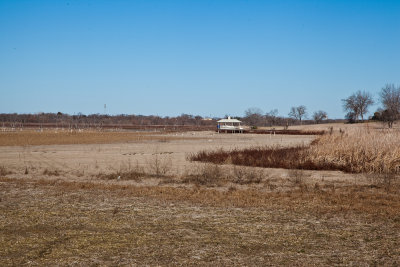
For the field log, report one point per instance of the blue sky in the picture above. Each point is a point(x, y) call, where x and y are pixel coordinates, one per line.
point(197, 57)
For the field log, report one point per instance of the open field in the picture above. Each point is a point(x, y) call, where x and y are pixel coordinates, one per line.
point(66, 137)
point(135, 198)
point(51, 222)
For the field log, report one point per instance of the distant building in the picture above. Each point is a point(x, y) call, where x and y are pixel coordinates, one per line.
point(230, 126)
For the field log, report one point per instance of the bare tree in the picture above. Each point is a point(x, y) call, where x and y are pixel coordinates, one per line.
point(253, 116)
point(298, 113)
point(390, 99)
point(357, 104)
point(271, 117)
point(319, 115)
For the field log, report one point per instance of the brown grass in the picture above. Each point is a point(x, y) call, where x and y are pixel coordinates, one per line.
point(287, 132)
point(209, 175)
point(122, 175)
point(356, 152)
point(243, 175)
point(48, 222)
point(52, 137)
point(48, 172)
point(360, 151)
point(266, 157)
point(4, 171)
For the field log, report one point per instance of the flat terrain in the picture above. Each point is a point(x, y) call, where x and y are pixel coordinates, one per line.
point(134, 198)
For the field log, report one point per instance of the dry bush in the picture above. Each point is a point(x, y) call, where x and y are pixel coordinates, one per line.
point(135, 173)
point(160, 166)
point(266, 157)
point(4, 171)
point(51, 172)
point(208, 175)
point(383, 180)
point(297, 178)
point(243, 175)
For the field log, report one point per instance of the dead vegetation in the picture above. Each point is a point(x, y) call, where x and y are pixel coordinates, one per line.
point(355, 152)
point(4, 171)
point(360, 151)
point(160, 166)
point(286, 132)
point(207, 174)
point(65, 137)
point(49, 172)
point(47, 222)
point(243, 175)
point(122, 175)
point(266, 157)
point(208, 215)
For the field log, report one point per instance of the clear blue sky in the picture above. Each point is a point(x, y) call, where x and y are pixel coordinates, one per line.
point(196, 57)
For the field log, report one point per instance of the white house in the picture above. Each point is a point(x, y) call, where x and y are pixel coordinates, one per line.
point(230, 125)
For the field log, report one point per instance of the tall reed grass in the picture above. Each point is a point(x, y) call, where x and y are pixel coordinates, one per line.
point(359, 151)
point(356, 151)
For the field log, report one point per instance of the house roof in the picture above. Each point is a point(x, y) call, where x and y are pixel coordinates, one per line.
point(229, 120)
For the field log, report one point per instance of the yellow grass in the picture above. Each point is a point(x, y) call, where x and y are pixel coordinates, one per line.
point(362, 150)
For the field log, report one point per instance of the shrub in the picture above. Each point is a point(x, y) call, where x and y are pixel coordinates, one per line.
point(160, 166)
point(4, 171)
point(244, 175)
point(207, 175)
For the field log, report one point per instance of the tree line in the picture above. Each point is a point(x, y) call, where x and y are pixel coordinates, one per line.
point(100, 120)
point(297, 115)
point(357, 105)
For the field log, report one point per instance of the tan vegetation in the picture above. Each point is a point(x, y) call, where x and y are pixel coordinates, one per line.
point(354, 151)
point(50, 222)
point(143, 203)
point(64, 137)
point(361, 151)
point(4, 171)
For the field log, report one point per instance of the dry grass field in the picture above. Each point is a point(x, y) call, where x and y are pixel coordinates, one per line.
point(120, 198)
point(66, 137)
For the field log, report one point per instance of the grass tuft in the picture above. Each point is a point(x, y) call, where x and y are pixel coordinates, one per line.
point(209, 175)
point(51, 172)
point(4, 171)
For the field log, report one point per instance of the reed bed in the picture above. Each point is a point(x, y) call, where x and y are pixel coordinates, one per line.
point(357, 151)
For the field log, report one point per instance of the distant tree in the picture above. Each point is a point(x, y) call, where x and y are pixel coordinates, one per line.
point(253, 116)
point(271, 117)
point(298, 113)
point(390, 99)
point(351, 117)
point(357, 104)
point(319, 115)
